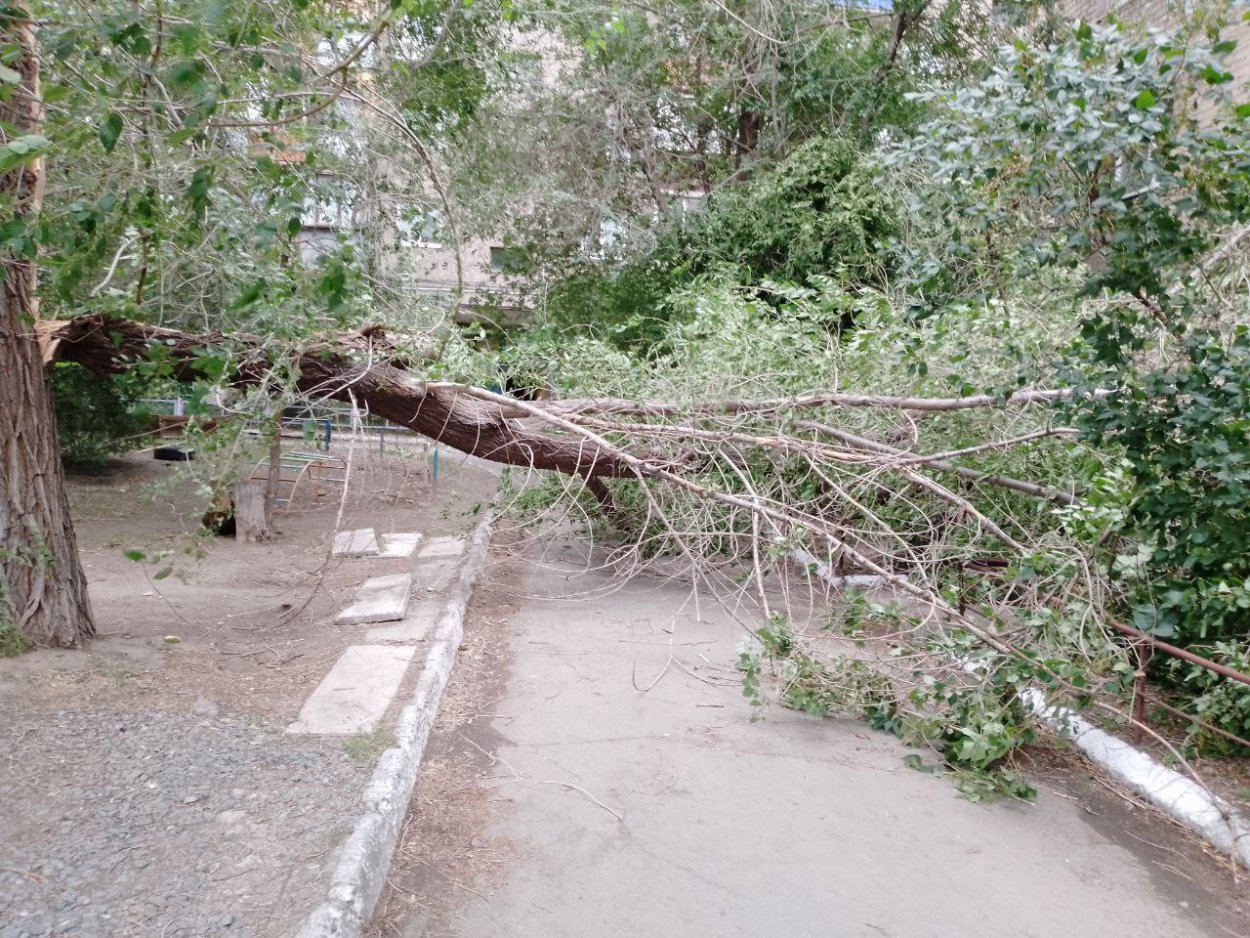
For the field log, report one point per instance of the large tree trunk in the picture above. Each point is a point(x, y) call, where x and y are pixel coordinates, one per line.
point(43, 592)
point(362, 366)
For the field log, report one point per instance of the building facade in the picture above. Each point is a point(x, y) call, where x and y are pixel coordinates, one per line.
point(1169, 14)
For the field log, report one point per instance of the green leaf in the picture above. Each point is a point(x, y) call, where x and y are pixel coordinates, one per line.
point(162, 573)
point(1213, 76)
point(135, 555)
point(23, 150)
point(1243, 111)
point(251, 294)
point(1145, 100)
point(211, 365)
point(197, 191)
point(188, 38)
point(9, 76)
point(110, 130)
point(333, 285)
point(916, 764)
point(185, 74)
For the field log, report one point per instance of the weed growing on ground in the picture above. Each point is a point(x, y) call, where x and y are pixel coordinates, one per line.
point(365, 747)
point(13, 642)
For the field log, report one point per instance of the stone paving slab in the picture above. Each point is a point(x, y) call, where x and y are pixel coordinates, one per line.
point(399, 545)
point(354, 696)
point(415, 627)
point(443, 547)
point(435, 577)
point(379, 599)
point(361, 543)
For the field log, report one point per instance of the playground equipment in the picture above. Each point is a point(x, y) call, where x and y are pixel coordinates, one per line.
point(294, 467)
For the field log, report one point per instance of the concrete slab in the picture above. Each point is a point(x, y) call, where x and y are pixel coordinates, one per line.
point(399, 545)
point(361, 543)
point(379, 599)
point(434, 577)
point(415, 626)
point(443, 547)
point(354, 696)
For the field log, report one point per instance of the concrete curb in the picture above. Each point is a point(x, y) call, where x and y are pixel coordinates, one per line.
point(365, 858)
point(1210, 817)
point(1181, 798)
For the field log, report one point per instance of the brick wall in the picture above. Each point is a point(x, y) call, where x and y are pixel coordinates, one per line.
point(1153, 12)
point(1164, 14)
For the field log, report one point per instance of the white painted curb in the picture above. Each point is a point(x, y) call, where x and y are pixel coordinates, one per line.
point(821, 569)
point(1183, 799)
point(365, 858)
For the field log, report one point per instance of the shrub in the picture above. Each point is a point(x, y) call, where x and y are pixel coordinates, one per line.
point(818, 213)
point(95, 417)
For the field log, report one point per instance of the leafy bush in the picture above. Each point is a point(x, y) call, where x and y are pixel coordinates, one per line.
point(1088, 157)
point(1223, 703)
point(95, 417)
point(817, 214)
point(1183, 434)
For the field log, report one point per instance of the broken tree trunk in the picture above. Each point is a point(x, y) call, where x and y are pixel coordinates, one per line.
point(365, 367)
point(369, 368)
point(251, 523)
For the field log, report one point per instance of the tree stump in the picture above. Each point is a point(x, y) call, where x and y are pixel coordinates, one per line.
point(251, 525)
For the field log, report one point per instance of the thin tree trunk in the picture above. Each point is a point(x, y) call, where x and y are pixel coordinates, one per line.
point(748, 138)
point(274, 478)
point(43, 591)
point(250, 510)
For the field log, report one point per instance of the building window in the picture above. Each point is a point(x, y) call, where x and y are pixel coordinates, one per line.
point(505, 260)
point(330, 203)
point(421, 226)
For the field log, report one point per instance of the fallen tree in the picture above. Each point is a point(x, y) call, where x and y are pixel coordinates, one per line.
point(602, 440)
point(369, 367)
point(698, 480)
point(377, 370)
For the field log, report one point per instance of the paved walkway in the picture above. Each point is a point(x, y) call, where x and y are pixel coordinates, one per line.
point(669, 813)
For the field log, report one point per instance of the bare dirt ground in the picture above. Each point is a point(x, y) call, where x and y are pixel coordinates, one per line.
point(445, 844)
point(148, 786)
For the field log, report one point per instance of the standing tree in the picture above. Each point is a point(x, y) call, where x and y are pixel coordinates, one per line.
point(43, 591)
point(186, 142)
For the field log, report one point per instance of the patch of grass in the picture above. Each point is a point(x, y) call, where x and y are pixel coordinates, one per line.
point(13, 642)
point(120, 675)
point(365, 747)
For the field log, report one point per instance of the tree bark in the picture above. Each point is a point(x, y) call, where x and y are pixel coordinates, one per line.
point(360, 366)
point(251, 509)
point(43, 591)
point(748, 137)
point(272, 479)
